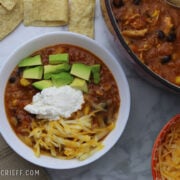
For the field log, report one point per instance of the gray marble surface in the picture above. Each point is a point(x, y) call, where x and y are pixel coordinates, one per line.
point(151, 108)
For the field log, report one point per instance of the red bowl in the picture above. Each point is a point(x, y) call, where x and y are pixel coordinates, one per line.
point(164, 131)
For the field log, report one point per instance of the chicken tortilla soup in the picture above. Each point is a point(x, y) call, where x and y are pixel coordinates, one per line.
point(62, 101)
point(152, 31)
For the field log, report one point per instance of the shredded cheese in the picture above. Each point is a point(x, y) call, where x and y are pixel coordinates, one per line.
point(169, 155)
point(67, 139)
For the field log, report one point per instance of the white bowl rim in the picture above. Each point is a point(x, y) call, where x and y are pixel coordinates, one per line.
point(17, 145)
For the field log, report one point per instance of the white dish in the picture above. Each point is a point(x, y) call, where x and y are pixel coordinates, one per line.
point(74, 39)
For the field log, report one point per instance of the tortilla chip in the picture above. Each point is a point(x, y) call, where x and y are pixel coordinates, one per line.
point(3, 11)
point(8, 4)
point(45, 12)
point(82, 17)
point(10, 19)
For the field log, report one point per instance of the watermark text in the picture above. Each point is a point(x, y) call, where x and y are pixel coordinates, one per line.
point(19, 172)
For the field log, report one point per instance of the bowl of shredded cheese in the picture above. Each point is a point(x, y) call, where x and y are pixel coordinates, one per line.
point(166, 152)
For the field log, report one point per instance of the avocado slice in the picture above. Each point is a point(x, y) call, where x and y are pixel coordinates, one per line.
point(52, 69)
point(33, 72)
point(30, 61)
point(58, 58)
point(96, 73)
point(60, 79)
point(42, 84)
point(81, 70)
point(80, 84)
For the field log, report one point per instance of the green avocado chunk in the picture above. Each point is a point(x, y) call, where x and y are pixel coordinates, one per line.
point(80, 84)
point(53, 69)
point(58, 58)
point(81, 70)
point(30, 61)
point(42, 84)
point(33, 72)
point(96, 73)
point(60, 79)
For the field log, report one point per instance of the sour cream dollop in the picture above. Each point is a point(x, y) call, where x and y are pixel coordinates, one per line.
point(54, 102)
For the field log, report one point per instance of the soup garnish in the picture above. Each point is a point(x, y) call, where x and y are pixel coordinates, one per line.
point(88, 94)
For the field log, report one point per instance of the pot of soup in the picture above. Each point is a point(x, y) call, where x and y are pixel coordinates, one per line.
point(148, 33)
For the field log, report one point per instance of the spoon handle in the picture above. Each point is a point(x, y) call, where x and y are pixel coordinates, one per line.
point(175, 3)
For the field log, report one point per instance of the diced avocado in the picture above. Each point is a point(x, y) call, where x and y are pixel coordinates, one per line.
point(96, 77)
point(52, 69)
point(58, 58)
point(80, 84)
point(33, 72)
point(95, 68)
point(30, 61)
point(42, 84)
point(81, 70)
point(96, 73)
point(60, 79)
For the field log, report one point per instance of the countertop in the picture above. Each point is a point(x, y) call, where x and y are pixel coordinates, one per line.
point(151, 108)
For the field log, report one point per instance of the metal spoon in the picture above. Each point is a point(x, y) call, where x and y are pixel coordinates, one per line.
point(175, 3)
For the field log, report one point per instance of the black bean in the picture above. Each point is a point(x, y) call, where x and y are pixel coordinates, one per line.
point(171, 37)
point(12, 79)
point(118, 3)
point(165, 59)
point(19, 71)
point(136, 2)
point(160, 35)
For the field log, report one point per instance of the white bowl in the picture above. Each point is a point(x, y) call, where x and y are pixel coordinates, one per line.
point(67, 38)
